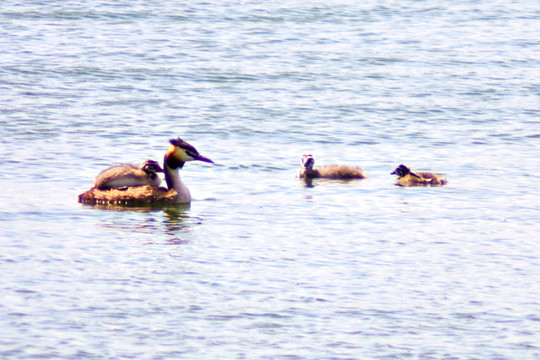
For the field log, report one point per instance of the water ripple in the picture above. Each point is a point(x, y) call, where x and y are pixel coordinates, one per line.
point(329, 270)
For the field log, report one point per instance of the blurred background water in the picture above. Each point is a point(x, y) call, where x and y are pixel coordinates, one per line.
point(260, 265)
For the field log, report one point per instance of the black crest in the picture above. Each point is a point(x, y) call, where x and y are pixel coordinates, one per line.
point(308, 160)
point(151, 166)
point(190, 150)
point(401, 170)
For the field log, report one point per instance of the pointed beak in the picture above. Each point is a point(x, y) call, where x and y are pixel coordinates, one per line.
point(393, 173)
point(202, 158)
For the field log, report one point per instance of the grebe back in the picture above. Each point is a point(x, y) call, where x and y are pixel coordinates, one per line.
point(126, 175)
point(343, 172)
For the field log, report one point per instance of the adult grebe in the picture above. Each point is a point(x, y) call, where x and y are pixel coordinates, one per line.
point(126, 175)
point(343, 172)
point(176, 156)
point(408, 178)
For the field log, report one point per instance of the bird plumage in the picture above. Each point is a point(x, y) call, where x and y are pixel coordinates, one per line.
point(343, 172)
point(408, 178)
point(126, 175)
point(178, 153)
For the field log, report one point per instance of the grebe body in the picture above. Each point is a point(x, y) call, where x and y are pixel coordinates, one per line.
point(343, 172)
point(126, 175)
point(408, 178)
point(176, 156)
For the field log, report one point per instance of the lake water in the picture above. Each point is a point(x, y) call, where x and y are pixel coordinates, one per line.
point(261, 266)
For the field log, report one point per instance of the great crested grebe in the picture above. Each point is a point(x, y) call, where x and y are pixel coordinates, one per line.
point(126, 175)
point(408, 178)
point(343, 172)
point(176, 156)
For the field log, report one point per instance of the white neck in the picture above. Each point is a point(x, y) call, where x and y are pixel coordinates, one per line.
point(172, 177)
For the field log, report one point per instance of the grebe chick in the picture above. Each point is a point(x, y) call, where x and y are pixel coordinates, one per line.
point(343, 172)
point(408, 178)
point(126, 175)
point(176, 156)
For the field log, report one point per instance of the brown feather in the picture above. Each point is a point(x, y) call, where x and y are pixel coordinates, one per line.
point(436, 179)
point(340, 172)
point(408, 178)
point(343, 172)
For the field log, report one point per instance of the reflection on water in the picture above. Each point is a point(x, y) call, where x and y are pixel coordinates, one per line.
point(419, 185)
point(308, 183)
point(311, 183)
point(177, 218)
point(170, 220)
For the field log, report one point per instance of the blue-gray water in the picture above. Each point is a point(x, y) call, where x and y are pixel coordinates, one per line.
point(261, 266)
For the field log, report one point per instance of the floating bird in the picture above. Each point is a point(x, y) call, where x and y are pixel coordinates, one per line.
point(408, 178)
point(126, 175)
point(176, 156)
point(343, 172)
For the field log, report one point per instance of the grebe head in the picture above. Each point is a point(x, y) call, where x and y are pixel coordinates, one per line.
point(180, 152)
point(401, 170)
point(308, 161)
point(151, 167)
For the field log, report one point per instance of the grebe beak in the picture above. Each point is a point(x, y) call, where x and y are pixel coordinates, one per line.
point(202, 158)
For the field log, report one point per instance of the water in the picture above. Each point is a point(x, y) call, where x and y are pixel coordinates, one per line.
point(260, 266)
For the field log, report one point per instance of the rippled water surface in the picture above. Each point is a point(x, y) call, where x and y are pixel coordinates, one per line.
point(262, 265)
